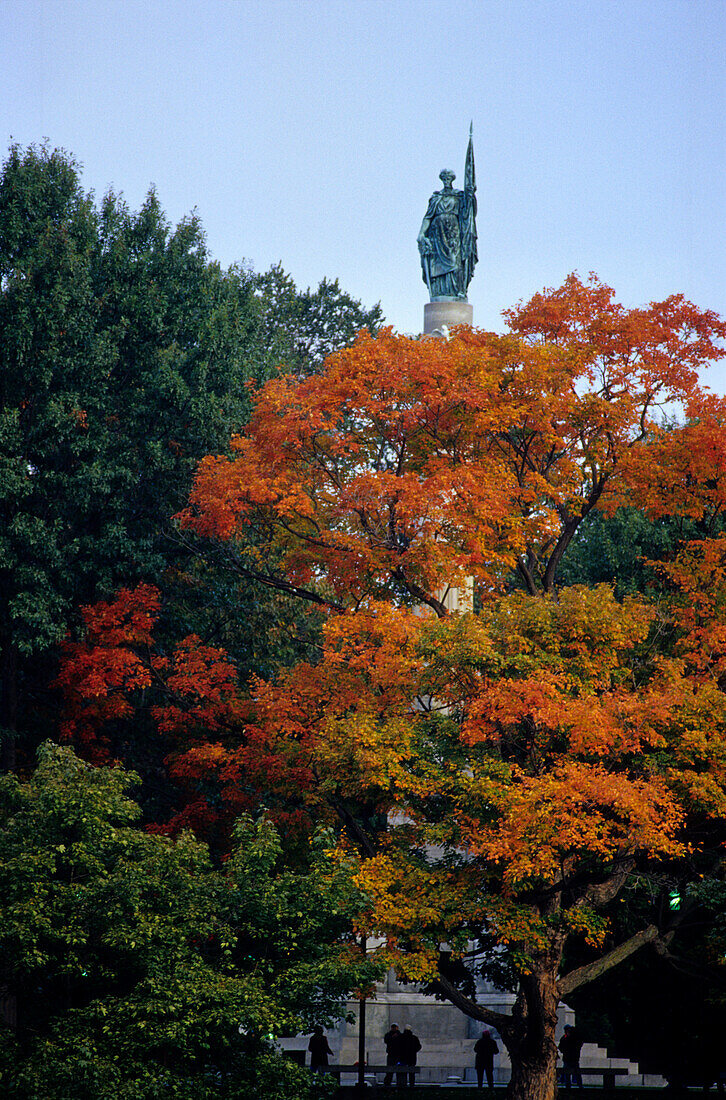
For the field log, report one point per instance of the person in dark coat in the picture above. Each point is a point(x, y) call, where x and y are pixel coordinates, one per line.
point(319, 1050)
point(392, 1039)
point(485, 1049)
point(409, 1047)
point(570, 1046)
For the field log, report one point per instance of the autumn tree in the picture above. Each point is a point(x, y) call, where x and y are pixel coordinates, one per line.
point(176, 708)
point(532, 759)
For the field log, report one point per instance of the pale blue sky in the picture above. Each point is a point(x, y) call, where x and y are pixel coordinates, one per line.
point(314, 132)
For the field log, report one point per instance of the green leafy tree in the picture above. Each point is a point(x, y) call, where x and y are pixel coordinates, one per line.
point(49, 354)
point(125, 355)
point(122, 358)
point(301, 328)
point(141, 971)
point(621, 549)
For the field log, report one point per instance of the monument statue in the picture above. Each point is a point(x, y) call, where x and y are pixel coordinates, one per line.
point(447, 239)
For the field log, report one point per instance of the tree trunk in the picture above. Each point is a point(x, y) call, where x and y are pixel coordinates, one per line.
point(530, 1039)
point(534, 1078)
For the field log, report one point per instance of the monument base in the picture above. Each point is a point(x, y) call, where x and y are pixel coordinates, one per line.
point(437, 314)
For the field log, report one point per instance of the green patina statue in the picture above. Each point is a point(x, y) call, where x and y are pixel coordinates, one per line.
point(447, 239)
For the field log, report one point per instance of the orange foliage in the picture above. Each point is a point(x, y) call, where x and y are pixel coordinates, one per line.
point(546, 741)
point(698, 575)
point(527, 757)
point(201, 688)
point(117, 660)
point(410, 463)
point(682, 471)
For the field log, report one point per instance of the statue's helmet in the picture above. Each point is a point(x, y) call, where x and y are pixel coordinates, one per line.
point(446, 175)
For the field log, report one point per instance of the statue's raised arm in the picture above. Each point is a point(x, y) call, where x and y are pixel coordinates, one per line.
point(447, 238)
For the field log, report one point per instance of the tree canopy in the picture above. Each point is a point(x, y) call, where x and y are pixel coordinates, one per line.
point(530, 760)
point(498, 777)
point(137, 968)
point(410, 464)
point(126, 354)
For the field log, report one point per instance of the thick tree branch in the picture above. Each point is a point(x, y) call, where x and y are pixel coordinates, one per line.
point(588, 973)
point(419, 594)
point(230, 558)
point(598, 894)
point(557, 554)
point(500, 1020)
point(567, 534)
point(526, 576)
point(282, 585)
point(356, 830)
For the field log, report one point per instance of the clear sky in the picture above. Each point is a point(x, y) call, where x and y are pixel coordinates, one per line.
point(313, 132)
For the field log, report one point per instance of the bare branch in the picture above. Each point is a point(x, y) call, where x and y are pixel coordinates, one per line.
point(500, 1020)
point(593, 970)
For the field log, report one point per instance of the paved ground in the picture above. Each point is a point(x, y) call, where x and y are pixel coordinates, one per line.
point(468, 1092)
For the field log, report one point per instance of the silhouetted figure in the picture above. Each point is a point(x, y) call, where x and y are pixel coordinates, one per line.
point(392, 1039)
point(409, 1046)
point(570, 1047)
point(485, 1049)
point(319, 1050)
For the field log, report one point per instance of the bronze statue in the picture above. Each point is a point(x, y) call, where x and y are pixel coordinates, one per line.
point(447, 239)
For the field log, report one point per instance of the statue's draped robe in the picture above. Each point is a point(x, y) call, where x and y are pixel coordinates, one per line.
point(451, 233)
point(443, 263)
point(449, 230)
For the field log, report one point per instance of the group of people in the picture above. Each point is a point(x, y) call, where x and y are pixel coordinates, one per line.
point(402, 1049)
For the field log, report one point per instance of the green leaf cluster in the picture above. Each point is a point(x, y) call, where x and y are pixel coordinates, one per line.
point(618, 549)
point(302, 327)
point(137, 969)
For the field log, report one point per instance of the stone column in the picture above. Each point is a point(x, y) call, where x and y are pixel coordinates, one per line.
point(439, 316)
point(449, 314)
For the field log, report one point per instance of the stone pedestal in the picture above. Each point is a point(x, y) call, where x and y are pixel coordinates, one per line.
point(437, 314)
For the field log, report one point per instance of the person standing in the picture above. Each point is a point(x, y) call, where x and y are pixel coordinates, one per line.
point(485, 1048)
point(570, 1046)
point(392, 1039)
point(409, 1047)
point(319, 1050)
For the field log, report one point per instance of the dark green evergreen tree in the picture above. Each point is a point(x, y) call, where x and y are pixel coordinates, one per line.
point(125, 355)
point(122, 359)
point(301, 328)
